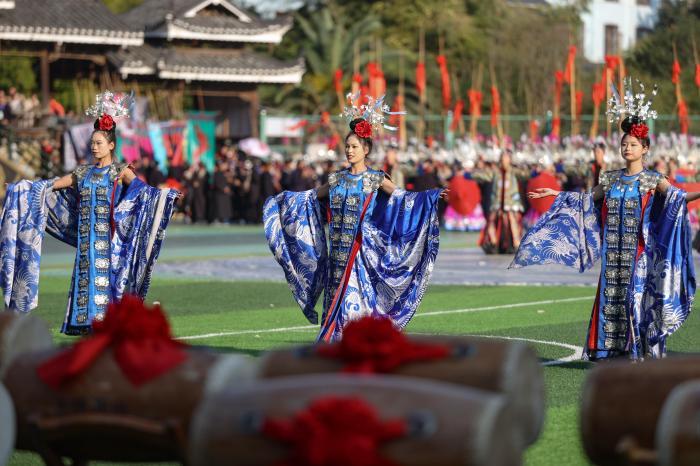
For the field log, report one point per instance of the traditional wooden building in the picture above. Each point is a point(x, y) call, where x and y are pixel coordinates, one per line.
point(79, 31)
point(205, 48)
point(199, 48)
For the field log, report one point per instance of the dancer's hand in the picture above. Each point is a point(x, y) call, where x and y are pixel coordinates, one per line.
point(541, 192)
point(443, 193)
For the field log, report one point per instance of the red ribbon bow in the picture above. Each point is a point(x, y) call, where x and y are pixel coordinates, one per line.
point(139, 337)
point(375, 345)
point(335, 431)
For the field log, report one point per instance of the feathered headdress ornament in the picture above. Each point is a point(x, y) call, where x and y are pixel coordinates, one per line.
point(373, 114)
point(110, 108)
point(635, 108)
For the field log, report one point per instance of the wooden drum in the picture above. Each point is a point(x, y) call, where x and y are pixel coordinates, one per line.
point(678, 429)
point(622, 403)
point(7, 426)
point(447, 425)
point(102, 416)
point(21, 333)
point(510, 368)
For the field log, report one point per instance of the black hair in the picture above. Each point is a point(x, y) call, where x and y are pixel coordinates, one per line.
point(110, 135)
point(366, 142)
point(626, 126)
point(599, 145)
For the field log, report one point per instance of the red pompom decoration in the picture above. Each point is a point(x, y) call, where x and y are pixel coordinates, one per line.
point(106, 123)
point(363, 129)
point(639, 131)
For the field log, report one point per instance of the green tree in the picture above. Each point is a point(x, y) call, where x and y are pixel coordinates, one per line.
point(120, 6)
point(18, 72)
point(326, 44)
point(651, 60)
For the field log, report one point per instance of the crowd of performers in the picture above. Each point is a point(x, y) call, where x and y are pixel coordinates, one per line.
point(382, 240)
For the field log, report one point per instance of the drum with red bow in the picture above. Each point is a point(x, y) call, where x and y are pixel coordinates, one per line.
point(101, 415)
point(331, 418)
point(510, 368)
point(677, 432)
point(621, 406)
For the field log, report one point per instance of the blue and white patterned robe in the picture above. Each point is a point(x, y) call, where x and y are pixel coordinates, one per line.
point(647, 282)
point(141, 215)
point(397, 250)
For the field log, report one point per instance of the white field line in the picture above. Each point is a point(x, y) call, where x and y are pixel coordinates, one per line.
point(424, 314)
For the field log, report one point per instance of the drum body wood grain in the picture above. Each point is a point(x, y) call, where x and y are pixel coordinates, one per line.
point(622, 403)
point(21, 333)
point(461, 426)
point(505, 367)
point(7, 426)
point(102, 416)
point(678, 429)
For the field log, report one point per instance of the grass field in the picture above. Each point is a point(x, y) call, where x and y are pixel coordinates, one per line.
point(250, 317)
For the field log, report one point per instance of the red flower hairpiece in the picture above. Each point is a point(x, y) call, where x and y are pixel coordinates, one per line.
point(639, 131)
point(106, 123)
point(363, 129)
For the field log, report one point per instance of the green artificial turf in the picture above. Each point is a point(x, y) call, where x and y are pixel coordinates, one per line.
point(247, 311)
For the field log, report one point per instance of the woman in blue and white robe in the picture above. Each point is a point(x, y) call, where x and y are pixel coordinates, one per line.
point(114, 220)
point(383, 244)
point(638, 224)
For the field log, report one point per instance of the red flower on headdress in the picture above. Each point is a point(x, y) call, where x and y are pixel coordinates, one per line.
point(639, 131)
point(106, 123)
point(363, 129)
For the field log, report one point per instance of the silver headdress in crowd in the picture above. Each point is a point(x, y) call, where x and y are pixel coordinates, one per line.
point(117, 105)
point(373, 112)
point(631, 104)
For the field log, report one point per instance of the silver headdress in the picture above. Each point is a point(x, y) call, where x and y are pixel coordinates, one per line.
point(374, 111)
point(117, 105)
point(632, 104)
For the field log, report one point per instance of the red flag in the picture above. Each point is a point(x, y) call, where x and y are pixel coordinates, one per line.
point(579, 103)
point(697, 74)
point(495, 106)
point(612, 62)
point(534, 130)
point(556, 127)
point(445, 75)
point(420, 78)
point(395, 120)
point(598, 93)
point(675, 72)
point(683, 116)
point(570, 64)
point(457, 114)
point(558, 84)
point(475, 98)
point(338, 81)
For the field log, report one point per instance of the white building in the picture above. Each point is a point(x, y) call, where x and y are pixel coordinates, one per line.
point(613, 26)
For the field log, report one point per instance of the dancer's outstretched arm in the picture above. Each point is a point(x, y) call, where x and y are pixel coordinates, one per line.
point(664, 184)
point(544, 192)
point(388, 187)
point(63, 182)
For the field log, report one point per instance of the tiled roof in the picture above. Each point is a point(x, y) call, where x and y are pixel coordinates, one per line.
point(70, 21)
point(206, 65)
point(181, 19)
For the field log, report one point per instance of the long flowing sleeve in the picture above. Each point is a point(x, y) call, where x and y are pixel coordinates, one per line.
point(670, 279)
point(295, 235)
point(567, 234)
point(399, 247)
point(140, 218)
point(21, 235)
